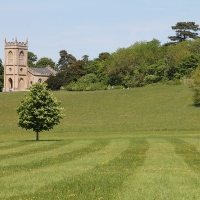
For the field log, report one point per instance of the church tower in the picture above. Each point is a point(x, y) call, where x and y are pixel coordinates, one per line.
point(16, 66)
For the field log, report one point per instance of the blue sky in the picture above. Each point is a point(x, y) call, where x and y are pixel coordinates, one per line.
point(89, 27)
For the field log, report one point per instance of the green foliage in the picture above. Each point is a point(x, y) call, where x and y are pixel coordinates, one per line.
point(65, 60)
point(98, 68)
point(88, 82)
point(184, 31)
point(120, 67)
point(1, 75)
point(64, 77)
point(32, 58)
point(40, 110)
point(127, 66)
point(55, 82)
point(194, 46)
point(74, 71)
point(44, 62)
point(173, 56)
point(140, 64)
point(195, 85)
point(188, 64)
point(156, 72)
point(85, 59)
point(89, 78)
point(103, 56)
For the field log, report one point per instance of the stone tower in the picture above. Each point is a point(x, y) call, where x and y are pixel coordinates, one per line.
point(16, 66)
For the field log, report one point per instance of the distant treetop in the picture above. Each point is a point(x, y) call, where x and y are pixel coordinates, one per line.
point(184, 31)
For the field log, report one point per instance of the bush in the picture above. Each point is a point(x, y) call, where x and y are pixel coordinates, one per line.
point(81, 86)
point(174, 82)
point(196, 96)
point(195, 85)
point(151, 79)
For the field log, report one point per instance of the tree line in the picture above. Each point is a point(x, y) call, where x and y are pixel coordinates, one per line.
point(142, 63)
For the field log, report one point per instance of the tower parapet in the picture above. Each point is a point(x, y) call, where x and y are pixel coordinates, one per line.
point(16, 43)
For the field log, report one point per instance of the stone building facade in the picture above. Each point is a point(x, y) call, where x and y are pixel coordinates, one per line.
point(18, 76)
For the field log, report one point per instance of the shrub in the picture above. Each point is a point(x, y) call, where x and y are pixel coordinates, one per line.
point(85, 86)
point(195, 85)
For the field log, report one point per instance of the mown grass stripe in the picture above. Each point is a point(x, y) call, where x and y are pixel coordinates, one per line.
point(38, 147)
point(11, 146)
point(29, 146)
point(103, 180)
point(65, 156)
point(193, 141)
point(33, 180)
point(164, 175)
point(6, 144)
point(37, 157)
point(190, 153)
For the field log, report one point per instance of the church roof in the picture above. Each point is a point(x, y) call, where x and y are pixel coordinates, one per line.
point(42, 71)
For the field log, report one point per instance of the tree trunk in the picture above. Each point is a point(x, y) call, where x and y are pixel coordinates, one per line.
point(37, 136)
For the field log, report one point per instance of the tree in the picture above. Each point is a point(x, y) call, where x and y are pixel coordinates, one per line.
point(75, 71)
point(55, 82)
point(188, 64)
point(32, 58)
point(44, 62)
point(127, 66)
point(103, 56)
point(40, 110)
point(65, 60)
point(64, 77)
point(184, 31)
point(1, 75)
point(85, 59)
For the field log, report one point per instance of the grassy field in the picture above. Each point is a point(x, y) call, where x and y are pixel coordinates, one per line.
point(140, 143)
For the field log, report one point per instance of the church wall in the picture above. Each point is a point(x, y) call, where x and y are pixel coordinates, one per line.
point(17, 75)
point(36, 78)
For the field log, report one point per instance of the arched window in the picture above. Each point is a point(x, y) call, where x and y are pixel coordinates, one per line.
point(21, 84)
point(10, 58)
point(21, 58)
point(10, 83)
point(40, 80)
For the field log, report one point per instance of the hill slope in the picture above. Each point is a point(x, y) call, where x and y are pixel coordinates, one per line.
point(151, 108)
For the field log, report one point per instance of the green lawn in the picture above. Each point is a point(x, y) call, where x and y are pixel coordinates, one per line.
point(139, 143)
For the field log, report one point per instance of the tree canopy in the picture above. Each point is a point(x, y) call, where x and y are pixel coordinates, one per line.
point(44, 62)
point(32, 58)
point(65, 60)
point(40, 110)
point(64, 77)
point(184, 31)
point(85, 59)
point(144, 62)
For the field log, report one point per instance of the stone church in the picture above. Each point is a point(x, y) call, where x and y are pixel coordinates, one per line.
point(18, 76)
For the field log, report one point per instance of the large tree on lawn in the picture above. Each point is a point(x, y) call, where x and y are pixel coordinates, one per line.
point(39, 111)
point(184, 31)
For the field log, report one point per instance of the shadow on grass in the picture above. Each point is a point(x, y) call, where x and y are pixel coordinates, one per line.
point(40, 140)
point(195, 105)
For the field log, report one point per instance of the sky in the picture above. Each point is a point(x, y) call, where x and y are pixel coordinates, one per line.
point(90, 27)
